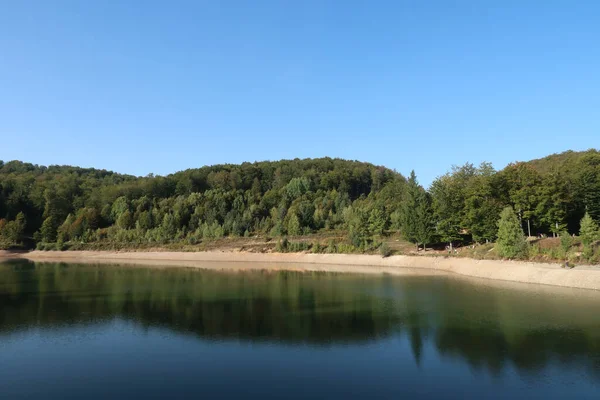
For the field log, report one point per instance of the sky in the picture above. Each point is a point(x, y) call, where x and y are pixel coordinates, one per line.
point(160, 86)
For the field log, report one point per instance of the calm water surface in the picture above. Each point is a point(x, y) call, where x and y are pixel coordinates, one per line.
point(84, 331)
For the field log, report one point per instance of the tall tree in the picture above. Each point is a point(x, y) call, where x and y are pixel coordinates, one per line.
point(511, 240)
point(589, 182)
point(417, 214)
point(425, 229)
point(482, 205)
point(522, 182)
point(554, 199)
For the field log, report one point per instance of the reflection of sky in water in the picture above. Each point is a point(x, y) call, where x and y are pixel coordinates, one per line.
point(106, 331)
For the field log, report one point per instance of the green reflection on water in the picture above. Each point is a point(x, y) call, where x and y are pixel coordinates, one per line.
point(487, 325)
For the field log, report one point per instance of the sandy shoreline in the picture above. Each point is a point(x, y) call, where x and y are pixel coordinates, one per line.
point(513, 271)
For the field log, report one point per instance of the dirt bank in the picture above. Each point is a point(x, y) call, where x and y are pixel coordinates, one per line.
point(513, 271)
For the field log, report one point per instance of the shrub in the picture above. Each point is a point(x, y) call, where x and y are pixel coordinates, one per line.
point(385, 250)
point(282, 245)
point(295, 247)
point(316, 247)
point(566, 241)
point(588, 253)
point(557, 253)
point(595, 257)
point(534, 250)
point(346, 248)
point(331, 248)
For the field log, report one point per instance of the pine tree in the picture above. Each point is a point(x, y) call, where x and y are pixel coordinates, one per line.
point(589, 231)
point(511, 239)
point(359, 228)
point(293, 226)
point(425, 223)
point(417, 215)
point(377, 221)
point(408, 217)
point(64, 231)
point(48, 230)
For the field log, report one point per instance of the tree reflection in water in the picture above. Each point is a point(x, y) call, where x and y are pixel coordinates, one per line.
point(489, 327)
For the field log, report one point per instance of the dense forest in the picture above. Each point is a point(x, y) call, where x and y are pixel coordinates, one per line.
point(55, 206)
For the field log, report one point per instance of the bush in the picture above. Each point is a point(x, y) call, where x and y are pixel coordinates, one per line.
point(595, 258)
point(385, 250)
point(282, 245)
point(557, 253)
point(566, 241)
point(588, 252)
point(331, 248)
point(61, 246)
point(316, 247)
point(297, 246)
point(346, 248)
point(534, 250)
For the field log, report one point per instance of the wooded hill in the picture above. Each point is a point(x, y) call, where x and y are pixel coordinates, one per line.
point(63, 204)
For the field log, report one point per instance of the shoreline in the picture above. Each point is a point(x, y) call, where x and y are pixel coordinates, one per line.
point(512, 271)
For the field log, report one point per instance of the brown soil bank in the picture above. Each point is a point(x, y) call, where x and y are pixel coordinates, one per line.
point(514, 271)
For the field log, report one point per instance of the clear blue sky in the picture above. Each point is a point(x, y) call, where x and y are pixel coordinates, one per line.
point(149, 86)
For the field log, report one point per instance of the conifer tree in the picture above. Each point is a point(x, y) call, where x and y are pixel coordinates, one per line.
point(589, 231)
point(293, 226)
point(511, 239)
point(417, 214)
point(48, 231)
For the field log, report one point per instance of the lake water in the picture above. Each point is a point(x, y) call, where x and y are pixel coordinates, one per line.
point(88, 332)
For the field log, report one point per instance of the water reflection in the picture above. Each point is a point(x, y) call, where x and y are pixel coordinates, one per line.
point(485, 326)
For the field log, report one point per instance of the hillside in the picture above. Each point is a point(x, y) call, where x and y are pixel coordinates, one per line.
point(63, 206)
point(296, 196)
point(568, 162)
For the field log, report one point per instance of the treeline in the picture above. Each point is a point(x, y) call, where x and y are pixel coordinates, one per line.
point(56, 205)
point(62, 204)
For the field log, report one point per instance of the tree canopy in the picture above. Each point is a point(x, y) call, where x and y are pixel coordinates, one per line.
point(61, 204)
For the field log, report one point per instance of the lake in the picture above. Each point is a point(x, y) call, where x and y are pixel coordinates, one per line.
point(110, 331)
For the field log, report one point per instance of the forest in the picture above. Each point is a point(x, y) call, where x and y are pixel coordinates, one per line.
point(62, 207)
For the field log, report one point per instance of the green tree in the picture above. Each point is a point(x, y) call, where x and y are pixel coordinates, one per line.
point(64, 231)
point(511, 239)
point(417, 215)
point(48, 230)
point(589, 184)
point(449, 195)
point(523, 182)
point(425, 229)
point(589, 231)
point(408, 219)
point(482, 204)
point(11, 232)
point(293, 226)
point(125, 220)
point(358, 227)
point(144, 221)
point(120, 205)
point(377, 221)
point(566, 241)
